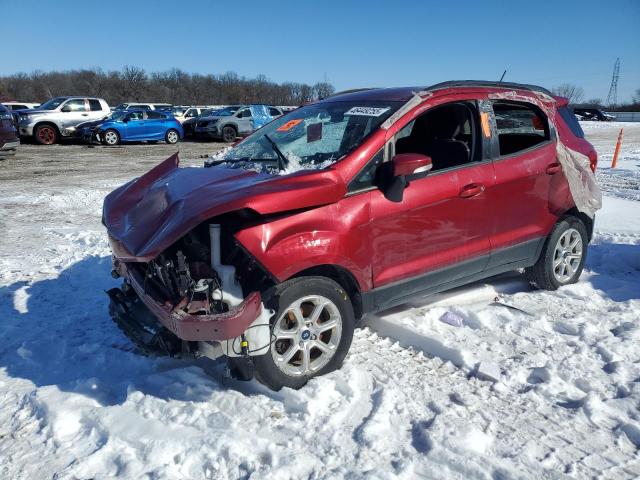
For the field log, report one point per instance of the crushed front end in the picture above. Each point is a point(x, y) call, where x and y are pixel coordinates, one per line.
point(185, 302)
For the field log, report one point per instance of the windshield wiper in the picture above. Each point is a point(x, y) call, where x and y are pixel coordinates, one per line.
point(282, 160)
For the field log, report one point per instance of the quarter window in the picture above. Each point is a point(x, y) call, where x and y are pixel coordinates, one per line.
point(367, 176)
point(520, 126)
point(274, 112)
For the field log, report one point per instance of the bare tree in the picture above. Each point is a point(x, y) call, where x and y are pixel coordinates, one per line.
point(574, 93)
point(172, 86)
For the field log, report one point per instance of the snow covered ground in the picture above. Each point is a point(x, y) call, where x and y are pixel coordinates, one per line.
point(546, 388)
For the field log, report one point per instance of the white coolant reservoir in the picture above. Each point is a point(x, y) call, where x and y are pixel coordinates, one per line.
point(231, 289)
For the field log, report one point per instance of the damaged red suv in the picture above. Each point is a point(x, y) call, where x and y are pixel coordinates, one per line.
point(271, 253)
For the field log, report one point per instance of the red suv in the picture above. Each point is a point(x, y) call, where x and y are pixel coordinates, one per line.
point(272, 253)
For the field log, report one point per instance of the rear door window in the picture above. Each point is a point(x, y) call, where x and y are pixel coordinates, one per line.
point(274, 112)
point(520, 126)
point(153, 115)
point(95, 105)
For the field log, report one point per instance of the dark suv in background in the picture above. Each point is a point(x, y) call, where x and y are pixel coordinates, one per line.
point(9, 140)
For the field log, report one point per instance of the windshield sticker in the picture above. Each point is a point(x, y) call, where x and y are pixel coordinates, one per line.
point(367, 111)
point(314, 132)
point(289, 125)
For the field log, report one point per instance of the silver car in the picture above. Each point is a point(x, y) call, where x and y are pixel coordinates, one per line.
point(230, 122)
point(59, 116)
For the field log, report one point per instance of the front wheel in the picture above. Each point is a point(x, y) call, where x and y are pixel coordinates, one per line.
point(563, 255)
point(46, 134)
point(311, 332)
point(172, 136)
point(111, 137)
point(229, 134)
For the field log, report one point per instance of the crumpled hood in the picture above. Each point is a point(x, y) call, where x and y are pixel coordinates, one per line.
point(148, 214)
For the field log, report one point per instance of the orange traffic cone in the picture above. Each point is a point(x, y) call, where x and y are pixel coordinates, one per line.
point(614, 162)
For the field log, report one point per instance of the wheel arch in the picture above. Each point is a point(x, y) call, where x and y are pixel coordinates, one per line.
point(50, 123)
point(343, 277)
point(584, 218)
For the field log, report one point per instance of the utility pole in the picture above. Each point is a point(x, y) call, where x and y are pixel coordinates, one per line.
point(612, 98)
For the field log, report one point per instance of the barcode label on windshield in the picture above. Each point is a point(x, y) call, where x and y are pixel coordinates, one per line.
point(367, 111)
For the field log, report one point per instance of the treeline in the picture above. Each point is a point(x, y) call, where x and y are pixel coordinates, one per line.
point(576, 97)
point(173, 86)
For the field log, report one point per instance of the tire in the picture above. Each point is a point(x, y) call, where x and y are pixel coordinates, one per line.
point(229, 134)
point(172, 136)
point(563, 255)
point(111, 137)
point(307, 295)
point(46, 134)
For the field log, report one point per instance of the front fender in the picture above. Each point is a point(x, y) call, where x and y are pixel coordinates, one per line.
point(335, 234)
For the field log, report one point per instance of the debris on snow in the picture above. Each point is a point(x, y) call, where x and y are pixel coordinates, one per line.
point(452, 319)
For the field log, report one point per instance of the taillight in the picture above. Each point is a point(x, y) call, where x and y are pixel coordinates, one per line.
point(593, 159)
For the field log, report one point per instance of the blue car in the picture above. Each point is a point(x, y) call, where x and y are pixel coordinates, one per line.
point(139, 125)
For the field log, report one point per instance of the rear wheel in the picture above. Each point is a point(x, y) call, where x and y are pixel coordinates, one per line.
point(229, 134)
point(563, 255)
point(46, 134)
point(311, 331)
point(111, 137)
point(172, 136)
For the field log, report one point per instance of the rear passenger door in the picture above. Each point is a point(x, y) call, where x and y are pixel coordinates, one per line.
point(525, 164)
point(155, 125)
point(95, 109)
point(136, 128)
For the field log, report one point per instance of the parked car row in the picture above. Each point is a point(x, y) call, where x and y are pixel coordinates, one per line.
point(586, 114)
point(91, 119)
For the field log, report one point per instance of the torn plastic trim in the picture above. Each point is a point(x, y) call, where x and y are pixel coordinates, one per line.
point(581, 179)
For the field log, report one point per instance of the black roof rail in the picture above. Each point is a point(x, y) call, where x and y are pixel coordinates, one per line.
point(488, 83)
point(353, 90)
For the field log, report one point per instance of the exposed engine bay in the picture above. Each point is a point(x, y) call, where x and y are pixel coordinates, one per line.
point(189, 283)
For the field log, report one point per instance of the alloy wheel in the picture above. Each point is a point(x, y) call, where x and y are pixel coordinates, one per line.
point(111, 138)
point(172, 137)
point(567, 255)
point(306, 335)
point(46, 135)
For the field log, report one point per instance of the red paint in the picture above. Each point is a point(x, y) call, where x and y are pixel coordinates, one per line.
point(444, 218)
point(408, 163)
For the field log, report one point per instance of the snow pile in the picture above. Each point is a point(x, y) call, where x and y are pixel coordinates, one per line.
point(526, 384)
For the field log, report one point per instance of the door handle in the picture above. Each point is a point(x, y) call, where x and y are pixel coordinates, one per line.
point(85, 114)
point(471, 190)
point(553, 168)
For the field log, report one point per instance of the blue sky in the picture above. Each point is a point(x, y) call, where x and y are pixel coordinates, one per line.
point(351, 44)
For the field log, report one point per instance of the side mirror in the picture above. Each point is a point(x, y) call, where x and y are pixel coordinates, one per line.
point(126, 119)
point(66, 108)
point(395, 173)
point(411, 163)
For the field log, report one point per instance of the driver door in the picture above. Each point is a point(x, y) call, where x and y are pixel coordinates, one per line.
point(136, 127)
point(74, 111)
point(438, 232)
point(244, 121)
